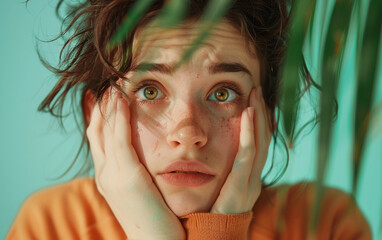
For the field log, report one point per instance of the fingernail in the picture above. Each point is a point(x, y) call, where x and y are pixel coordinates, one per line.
point(251, 112)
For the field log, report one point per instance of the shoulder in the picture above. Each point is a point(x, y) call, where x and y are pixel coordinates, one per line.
point(304, 195)
point(70, 195)
point(74, 191)
point(307, 193)
point(71, 189)
point(64, 211)
point(290, 209)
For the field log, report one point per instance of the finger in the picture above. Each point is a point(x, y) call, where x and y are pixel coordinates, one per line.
point(111, 106)
point(237, 182)
point(95, 136)
point(262, 131)
point(260, 125)
point(122, 120)
point(125, 152)
point(268, 131)
point(267, 126)
point(246, 152)
point(260, 98)
point(244, 159)
point(267, 119)
point(108, 129)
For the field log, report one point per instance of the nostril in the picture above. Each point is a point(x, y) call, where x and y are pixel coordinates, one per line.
point(190, 135)
point(174, 143)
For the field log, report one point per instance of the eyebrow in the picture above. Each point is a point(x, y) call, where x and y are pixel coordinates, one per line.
point(213, 69)
point(229, 68)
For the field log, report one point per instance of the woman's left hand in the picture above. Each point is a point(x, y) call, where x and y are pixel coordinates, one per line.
point(243, 185)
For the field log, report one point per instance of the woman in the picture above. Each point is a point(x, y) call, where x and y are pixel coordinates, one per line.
point(178, 149)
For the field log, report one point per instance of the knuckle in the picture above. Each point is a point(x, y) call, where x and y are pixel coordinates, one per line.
point(121, 149)
point(120, 142)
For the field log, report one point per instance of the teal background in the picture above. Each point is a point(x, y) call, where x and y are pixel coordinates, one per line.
point(34, 149)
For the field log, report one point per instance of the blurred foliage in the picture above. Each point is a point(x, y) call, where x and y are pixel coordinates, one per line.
point(331, 55)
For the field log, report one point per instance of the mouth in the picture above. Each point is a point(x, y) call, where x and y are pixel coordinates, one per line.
point(187, 173)
point(184, 172)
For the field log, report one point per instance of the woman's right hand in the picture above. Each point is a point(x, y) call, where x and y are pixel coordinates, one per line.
point(122, 179)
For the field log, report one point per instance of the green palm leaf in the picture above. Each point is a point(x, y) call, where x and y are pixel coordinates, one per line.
point(331, 65)
point(214, 11)
point(172, 13)
point(132, 18)
point(293, 61)
point(366, 83)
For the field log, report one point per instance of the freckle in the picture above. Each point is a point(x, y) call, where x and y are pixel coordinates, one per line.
point(155, 146)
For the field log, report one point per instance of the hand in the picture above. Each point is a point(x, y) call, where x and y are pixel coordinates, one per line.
point(122, 180)
point(243, 185)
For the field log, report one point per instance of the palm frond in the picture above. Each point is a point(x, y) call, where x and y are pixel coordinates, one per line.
point(293, 61)
point(334, 46)
point(366, 83)
point(131, 20)
point(214, 11)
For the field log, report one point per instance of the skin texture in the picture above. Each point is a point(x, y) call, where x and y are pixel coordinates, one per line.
point(137, 138)
point(185, 123)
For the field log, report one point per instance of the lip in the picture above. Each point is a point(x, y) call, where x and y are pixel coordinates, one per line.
point(186, 173)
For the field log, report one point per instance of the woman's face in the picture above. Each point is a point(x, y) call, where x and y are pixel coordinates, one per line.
point(185, 121)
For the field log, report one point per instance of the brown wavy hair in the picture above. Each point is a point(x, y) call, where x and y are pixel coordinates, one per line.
point(87, 64)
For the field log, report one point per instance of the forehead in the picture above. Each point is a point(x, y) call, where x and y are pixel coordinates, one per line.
point(225, 44)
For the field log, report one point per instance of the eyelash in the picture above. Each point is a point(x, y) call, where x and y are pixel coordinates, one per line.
point(148, 83)
point(225, 85)
point(230, 86)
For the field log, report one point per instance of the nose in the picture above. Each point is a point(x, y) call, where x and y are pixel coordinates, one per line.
point(189, 135)
point(188, 131)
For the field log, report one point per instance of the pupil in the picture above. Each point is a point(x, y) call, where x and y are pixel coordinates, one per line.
point(221, 94)
point(150, 93)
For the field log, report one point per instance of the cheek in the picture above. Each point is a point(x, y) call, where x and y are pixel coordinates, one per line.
point(146, 133)
point(229, 135)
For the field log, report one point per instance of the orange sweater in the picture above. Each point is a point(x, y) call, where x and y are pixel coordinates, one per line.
point(75, 210)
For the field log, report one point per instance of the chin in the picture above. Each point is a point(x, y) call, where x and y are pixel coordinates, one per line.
point(182, 208)
point(182, 204)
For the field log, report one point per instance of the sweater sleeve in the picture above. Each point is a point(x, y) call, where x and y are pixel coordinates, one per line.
point(200, 226)
point(73, 210)
point(286, 212)
point(34, 221)
point(341, 219)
